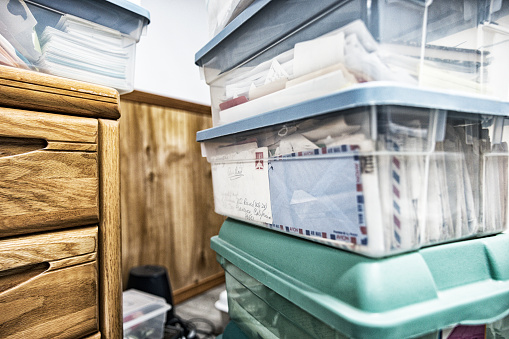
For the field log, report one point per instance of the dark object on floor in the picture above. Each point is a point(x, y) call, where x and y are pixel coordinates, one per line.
point(190, 329)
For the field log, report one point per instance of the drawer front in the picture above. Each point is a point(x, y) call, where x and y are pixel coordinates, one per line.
point(48, 171)
point(49, 285)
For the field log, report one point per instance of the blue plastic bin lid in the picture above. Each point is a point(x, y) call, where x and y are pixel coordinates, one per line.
point(265, 24)
point(122, 15)
point(363, 95)
point(402, 296)
point(132, 7)
point(246, 15)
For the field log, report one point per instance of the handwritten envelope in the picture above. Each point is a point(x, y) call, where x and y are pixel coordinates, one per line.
point(241, 183)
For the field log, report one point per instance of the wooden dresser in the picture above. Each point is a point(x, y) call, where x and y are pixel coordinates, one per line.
point(59, 208)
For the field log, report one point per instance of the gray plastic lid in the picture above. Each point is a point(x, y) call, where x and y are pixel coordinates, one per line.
point(121, 15)
point(132, 7)
point(265, 24)
point(367, 94)
point(402, 296)
point(247, 14)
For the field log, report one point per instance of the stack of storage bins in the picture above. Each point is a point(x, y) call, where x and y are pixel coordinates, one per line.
point(349, 137)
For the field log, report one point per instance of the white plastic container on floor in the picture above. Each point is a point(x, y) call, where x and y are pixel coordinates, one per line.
point(222, 306)
point(144, 315)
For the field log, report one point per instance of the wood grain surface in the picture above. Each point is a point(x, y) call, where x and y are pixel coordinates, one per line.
point(42, 92)
point(166, 194)
point(51, 127)
point(46, 247)
point(48, 285)
point(198, 287)
point(110, 250)
point(55, 304)
point(163, 101)
point(44, 190)
point(48, 171)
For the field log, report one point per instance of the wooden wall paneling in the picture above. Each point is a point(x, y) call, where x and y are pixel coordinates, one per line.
point(110, 250)
point(167, 204)
point(162, 101)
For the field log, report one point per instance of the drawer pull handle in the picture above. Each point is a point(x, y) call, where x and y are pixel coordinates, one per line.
point(16, 146)
point(16, 276)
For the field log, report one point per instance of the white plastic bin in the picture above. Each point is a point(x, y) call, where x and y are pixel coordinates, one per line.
point(375, 169)
point(91, 40)
point(295, 50)
point(144, 315)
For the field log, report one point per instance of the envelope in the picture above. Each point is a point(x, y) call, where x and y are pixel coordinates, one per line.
point(319, 195)
point(241, 184)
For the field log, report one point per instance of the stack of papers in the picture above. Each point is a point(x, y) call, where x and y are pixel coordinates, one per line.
point(86, 51)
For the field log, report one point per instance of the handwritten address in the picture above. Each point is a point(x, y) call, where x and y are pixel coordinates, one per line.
point(253, 210)
point(241, 189)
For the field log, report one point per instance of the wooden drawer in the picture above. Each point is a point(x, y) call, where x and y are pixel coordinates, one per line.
point(49, 285)
point(48, 171)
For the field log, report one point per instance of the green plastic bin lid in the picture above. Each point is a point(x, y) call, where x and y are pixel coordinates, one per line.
point(407, 295)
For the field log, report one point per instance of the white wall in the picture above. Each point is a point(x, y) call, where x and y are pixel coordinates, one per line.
point(165, 56)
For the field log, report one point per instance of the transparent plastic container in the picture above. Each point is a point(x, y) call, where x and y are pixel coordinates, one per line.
point(283, 287)
point(144, 315)
point(279, 53)
point(92, 41)
point(378, 170)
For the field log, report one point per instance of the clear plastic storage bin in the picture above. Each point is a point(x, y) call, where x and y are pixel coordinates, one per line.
point(278, 53)
point(377, 170)
point(91, 40)
point(144, 315)
point(283, 287)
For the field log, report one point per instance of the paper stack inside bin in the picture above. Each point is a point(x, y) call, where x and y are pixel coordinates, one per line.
point(86, 51)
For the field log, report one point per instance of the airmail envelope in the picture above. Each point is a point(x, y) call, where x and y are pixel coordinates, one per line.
point(241, 183)
point(319, 195)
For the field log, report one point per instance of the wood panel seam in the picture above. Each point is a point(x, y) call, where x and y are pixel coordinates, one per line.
point(167, 102)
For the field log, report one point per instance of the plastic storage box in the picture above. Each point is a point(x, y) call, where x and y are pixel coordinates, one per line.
point(91, 40)
point(144, 315)
point(375, 169)
point(280, 52)
point(284, 287)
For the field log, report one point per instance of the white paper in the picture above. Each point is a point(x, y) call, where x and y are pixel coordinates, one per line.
point(313, 55)
point(295, 143)
point(241, 183)
point(326, 84)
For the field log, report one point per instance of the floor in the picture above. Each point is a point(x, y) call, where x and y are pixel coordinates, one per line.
point(202, 313)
